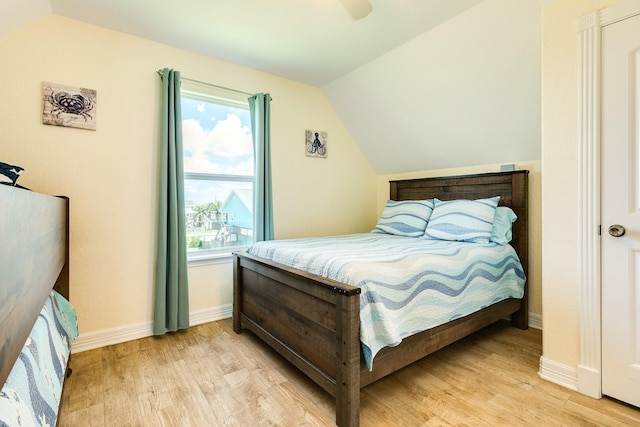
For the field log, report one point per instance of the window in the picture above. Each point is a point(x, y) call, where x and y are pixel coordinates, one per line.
point(218, 170)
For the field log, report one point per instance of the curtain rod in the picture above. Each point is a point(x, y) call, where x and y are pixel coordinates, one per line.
point(210, 84)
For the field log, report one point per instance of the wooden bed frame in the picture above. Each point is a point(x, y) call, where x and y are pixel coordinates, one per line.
point(314, 322)
point(34, 258)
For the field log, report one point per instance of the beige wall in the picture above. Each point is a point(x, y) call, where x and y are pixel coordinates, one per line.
point(110, 174)
point(535, 275)
point(560, 177)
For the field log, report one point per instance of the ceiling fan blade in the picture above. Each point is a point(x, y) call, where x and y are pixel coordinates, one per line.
point(357, 8)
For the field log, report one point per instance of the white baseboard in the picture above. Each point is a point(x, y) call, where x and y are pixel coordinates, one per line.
point(535, 321)
point(589, 381)
point(210, 314)
point(105, 337)
point(558, 373)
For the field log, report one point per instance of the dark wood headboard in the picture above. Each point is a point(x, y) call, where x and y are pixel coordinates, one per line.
point(512, 187)
point(34, 254)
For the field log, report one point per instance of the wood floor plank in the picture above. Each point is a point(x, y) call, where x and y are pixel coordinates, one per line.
point(211, 376)
point(612, 409)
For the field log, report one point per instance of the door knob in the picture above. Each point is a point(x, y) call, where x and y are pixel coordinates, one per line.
point(616, 230)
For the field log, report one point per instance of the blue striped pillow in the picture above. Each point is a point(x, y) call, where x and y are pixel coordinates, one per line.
point(404, 218)
point(462, 220)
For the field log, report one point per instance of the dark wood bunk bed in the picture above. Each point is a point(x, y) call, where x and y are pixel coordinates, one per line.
point(34, 258)
point(314, 322)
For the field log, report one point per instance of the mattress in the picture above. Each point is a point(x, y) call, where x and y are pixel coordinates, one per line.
point(408, 284)
point(31, 395)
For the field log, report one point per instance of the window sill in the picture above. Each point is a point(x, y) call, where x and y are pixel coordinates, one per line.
point(220, 258)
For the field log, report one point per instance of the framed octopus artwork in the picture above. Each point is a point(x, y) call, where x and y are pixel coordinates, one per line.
point(69, 106)
point(316, 143)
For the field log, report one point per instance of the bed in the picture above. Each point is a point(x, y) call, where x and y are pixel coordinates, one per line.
point(314, 322)
point(38, 323)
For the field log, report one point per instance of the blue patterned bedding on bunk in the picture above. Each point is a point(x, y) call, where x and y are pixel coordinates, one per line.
point(407, 284)
point(32, 392)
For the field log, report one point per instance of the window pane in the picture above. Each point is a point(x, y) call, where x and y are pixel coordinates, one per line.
point(218, 165)
point(216, 138)
point(219, 215)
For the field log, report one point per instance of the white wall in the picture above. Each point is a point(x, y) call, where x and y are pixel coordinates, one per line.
point(110, 174)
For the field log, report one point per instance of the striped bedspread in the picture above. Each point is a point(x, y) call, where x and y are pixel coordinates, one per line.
point(408, 284)
point(32, 393)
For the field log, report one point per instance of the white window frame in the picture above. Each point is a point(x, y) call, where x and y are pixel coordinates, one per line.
point(213, 94)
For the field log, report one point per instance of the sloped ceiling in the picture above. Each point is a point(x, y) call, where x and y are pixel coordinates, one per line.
point(420, 84)
point(310, 41)
point(464, 93)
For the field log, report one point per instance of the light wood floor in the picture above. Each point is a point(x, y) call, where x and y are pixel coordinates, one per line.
point(210, 376)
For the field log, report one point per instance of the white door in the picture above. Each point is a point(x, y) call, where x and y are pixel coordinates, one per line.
point(621, 210)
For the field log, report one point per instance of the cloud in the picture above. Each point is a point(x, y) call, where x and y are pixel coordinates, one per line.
point(227, 148)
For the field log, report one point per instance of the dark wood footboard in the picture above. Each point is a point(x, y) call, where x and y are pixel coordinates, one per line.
point(311, 321)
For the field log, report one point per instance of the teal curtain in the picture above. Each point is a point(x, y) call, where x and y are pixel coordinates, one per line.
point(260, 109)
point(172, 288)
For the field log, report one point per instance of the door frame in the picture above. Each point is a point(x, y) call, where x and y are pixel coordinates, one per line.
point(590, 27)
